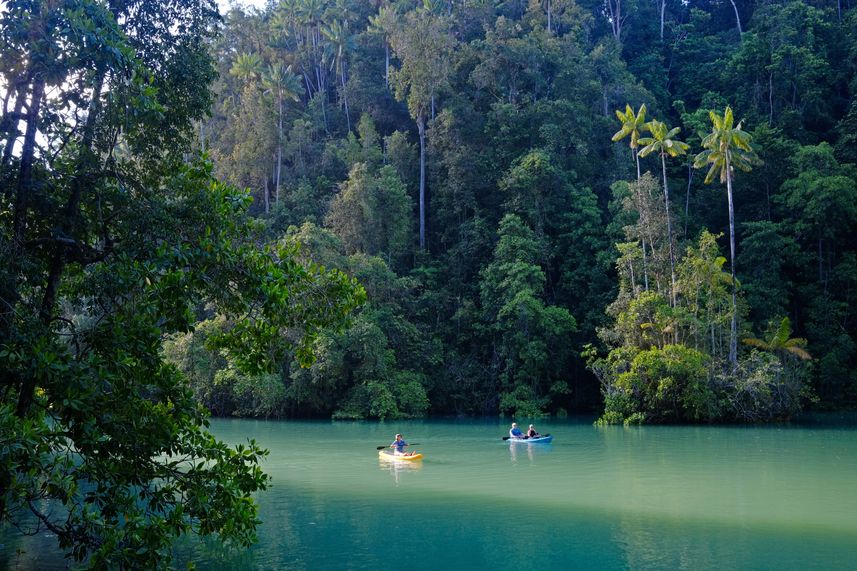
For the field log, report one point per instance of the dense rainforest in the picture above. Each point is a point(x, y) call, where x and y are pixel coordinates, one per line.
point(374, 209)
point(458, 158)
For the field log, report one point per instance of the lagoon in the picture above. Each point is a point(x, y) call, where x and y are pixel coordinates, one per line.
point(654, 497)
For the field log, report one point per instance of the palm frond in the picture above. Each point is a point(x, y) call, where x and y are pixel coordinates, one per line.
point(649, 146)
point(620, 134)
point(782, 334)
point(799, 352)
point(713, 171)
point(753, 342)
point(701, 159)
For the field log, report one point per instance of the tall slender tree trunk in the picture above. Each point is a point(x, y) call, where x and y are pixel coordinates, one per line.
point(345, 99)
point(663, 10)
point(687, 196)
point(771, 97)
point(733, 333)
point(643, 222)
point(309, 86)
point(279, 153)
point(637, 160)
point(669, 230)
point(386, 64)
point(549, 14)
point(645, 264)
point(615, 9)
point(421, 127)
point(267, 192)
point(737, 18)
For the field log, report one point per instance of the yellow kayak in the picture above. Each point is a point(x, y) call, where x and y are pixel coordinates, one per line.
point(395, 457)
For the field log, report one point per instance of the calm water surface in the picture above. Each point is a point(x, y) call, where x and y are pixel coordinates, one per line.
point(605, 498)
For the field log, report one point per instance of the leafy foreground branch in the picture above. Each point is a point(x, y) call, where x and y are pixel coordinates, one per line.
point(109, 240)
point(113, 437)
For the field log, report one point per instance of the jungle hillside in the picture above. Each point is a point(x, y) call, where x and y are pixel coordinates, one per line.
point(553, 206)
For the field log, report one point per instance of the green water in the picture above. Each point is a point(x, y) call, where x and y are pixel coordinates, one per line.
point(596, 498)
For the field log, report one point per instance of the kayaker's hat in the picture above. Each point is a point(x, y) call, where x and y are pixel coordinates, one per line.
point(398, 436)
point(514, 424)
point(531, 426)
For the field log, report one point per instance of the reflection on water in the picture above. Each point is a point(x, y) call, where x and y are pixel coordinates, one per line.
point(397, 468)
point(777, 497)
point(528, 452)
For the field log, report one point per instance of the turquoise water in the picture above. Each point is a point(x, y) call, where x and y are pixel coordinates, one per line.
point(596, 498)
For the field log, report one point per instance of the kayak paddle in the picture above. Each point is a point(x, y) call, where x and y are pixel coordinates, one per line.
point(388, 446)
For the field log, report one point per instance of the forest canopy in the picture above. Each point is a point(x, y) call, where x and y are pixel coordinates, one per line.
point(540, 196)
point(391, 209)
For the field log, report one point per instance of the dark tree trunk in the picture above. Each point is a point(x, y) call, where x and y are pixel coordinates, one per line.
point(11, 129)
point(85, 165)
point(25, 176)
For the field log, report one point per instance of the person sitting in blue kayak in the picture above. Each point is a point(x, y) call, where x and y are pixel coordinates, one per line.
point(533, 433)
point(515, 432)
point(399, 445)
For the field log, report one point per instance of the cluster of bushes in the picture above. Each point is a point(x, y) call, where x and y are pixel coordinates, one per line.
point(670, 363)
point(680, 384)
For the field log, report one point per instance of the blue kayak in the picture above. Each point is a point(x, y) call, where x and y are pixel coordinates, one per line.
point(538, 440)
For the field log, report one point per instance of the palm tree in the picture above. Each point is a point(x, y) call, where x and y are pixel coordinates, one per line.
point(423, 44)
point(339, 43)
point(284, 23)
point(279, 81)
point(781, 342)
point(434, 7)
point(664, 143)
point(727, 147)
point(246, 67)
point(380, 24)
point(310, 15)
point(632, 126)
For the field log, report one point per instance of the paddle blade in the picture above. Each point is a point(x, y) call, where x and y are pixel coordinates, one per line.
point(382, 447)
point(506, 438)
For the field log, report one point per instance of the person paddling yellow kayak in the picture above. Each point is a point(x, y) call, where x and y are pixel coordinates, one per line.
point(398, 453)
point(399, 446)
